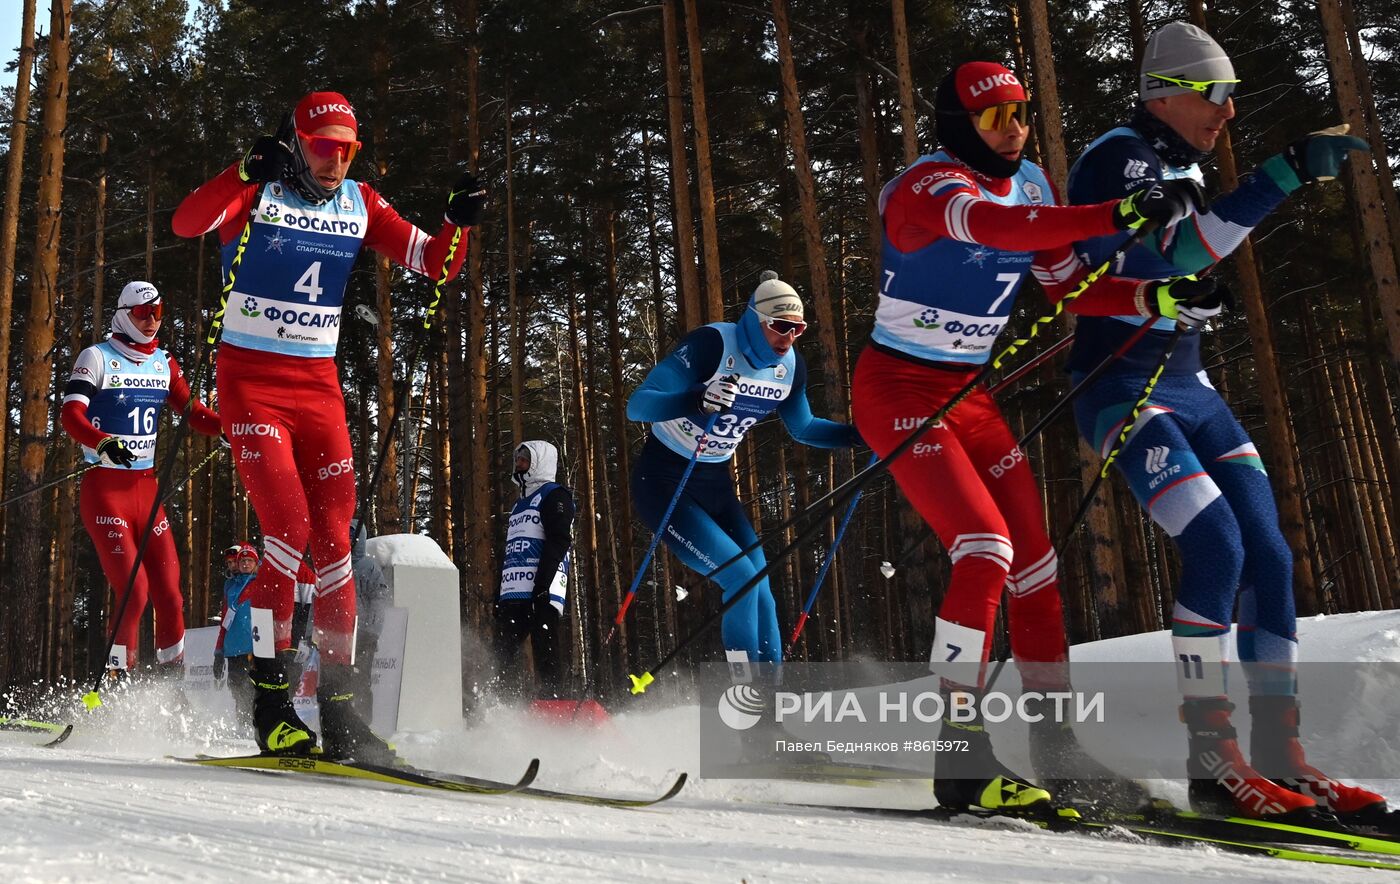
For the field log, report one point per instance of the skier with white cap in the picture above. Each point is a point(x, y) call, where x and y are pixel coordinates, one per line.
point(111, 406)
point(1217, 505)
point(741, 372)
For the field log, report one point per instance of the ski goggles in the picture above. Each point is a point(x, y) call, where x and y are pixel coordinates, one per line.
point(1214, 91)
point(787, 327)
point(325, 148)
point(999, 116)
point(150, 310)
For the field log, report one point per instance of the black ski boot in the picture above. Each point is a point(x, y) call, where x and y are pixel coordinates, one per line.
point(1075, 777)
point(344, 734)
point(280, 730)
point(972, 776)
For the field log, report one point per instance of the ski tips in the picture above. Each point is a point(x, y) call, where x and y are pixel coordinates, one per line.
point(91, 700)
point(640, 682)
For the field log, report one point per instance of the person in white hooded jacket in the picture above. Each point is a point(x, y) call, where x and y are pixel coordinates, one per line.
point(535, 570)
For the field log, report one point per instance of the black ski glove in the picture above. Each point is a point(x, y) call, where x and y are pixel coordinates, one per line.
point(1163, 203)
point(465, 201)
point(114, 452)
point(270, 156)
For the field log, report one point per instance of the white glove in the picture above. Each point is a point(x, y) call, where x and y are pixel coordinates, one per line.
point(720, 394)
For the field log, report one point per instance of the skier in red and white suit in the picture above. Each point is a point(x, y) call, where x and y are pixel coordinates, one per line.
point(962, 230)
point(279, 389)
point(111, 406)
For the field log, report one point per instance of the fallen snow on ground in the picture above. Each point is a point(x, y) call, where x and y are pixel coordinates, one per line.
point(110, 806)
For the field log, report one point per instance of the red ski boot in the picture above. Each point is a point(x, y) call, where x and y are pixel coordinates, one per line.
point(1221, 781)
point(1276, 752)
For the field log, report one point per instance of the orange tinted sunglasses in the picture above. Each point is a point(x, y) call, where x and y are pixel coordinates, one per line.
point(152, 310)
point(325, 148)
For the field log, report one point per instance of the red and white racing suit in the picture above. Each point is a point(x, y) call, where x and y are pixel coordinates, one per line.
point(279, 390)
point(957, 246)
point(118, 389)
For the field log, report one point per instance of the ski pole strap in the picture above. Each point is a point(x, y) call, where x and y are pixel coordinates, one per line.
point(1123, 434)
point(1086, 382)
point(1142, 400)
point(1031, 366)
point(442, 278)
point(208, 459)
point(661, 528)
point(217, 323)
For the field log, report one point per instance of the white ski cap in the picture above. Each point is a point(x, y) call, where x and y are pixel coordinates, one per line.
point(137, 292)
point(773, 297)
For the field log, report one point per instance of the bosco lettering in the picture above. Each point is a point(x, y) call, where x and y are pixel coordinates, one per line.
point(339, 468)
point(1003, 466)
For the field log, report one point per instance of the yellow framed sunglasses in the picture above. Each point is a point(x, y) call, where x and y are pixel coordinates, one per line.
point(1214, 91)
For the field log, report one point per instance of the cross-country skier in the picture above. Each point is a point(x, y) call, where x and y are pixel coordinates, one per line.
point(234, 646)
point(962, 230)
point(279, 390)
point(535, 570)
point(112, 407)
point(1188, 460)
point(740, 372)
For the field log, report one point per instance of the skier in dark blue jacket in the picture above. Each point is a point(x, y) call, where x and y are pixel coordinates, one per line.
point(1188, 461)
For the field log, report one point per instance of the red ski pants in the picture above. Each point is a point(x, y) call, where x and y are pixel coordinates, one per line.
point(972, 484)
point(285, 417)
point(115, 505)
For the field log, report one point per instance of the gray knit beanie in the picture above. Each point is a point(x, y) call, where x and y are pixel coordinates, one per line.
point(1185, 52)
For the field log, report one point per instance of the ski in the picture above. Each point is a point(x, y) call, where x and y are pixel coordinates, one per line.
point(56, 732)
point(1069, 821)
point(608, 800)
point(1318, 833)
point(430, 779)
point(354, 770)
point(598, 800)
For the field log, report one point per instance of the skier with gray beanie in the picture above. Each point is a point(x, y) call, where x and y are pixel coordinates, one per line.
point(1218, 506)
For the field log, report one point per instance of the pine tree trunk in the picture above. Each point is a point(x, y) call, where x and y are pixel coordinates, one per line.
point(909, 132)
point(688, 281)
point(480, 571)
point(9, 216)
point(587, 543)
point(704, 170)
point(517, 367)
point(820, 296)
point(1361, 172)
point(25, 603)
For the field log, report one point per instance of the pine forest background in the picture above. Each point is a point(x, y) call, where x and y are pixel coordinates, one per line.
point(647, 162)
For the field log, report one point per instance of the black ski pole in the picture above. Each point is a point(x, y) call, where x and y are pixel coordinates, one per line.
point(842, 493)
point(73, 474)
point(401, 407)
point(92, 699)
point(175, 488)
point(1122, 438)
point(826, 506)
point(1085, 382)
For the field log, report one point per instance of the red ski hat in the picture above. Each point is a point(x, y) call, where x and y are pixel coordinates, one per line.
point(325, 109)
point(984, 84)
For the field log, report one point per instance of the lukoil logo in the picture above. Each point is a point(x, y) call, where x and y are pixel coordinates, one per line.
point(740, 707)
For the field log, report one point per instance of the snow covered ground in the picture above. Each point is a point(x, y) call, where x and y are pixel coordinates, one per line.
point(109, 806)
